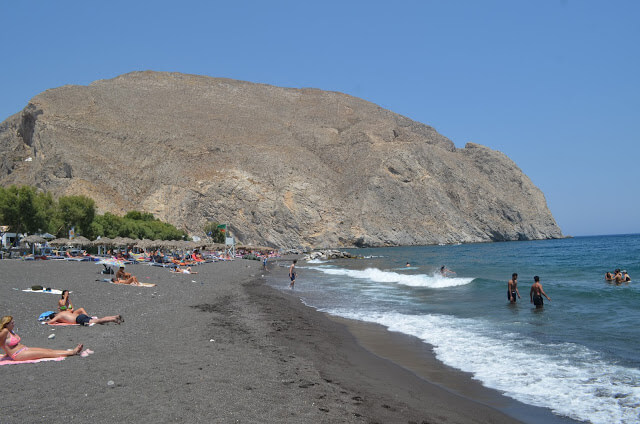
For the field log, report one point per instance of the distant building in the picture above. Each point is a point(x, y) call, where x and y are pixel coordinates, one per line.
point(6, 238)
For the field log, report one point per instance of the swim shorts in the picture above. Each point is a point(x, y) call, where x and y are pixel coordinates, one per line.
point(537, 300)
point(83, 319)
point(293, 276)
point(513, 295)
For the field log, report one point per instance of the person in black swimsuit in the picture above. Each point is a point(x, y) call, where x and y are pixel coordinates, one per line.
point(537, 292)
point(512, 288)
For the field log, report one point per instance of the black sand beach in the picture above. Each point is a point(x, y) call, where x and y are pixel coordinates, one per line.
point(220, 346)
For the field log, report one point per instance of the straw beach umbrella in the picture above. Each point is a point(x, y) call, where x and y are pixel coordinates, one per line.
point(102, 241)
point(32, 240)
point(123, 241)
point(80, 241)
point(59, 242)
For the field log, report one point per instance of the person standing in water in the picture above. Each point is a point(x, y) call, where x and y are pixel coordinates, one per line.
point(537, 292)
point(292, 273)
point(512, 288)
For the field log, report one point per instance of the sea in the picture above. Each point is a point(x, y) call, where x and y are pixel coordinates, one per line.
point(579, 356)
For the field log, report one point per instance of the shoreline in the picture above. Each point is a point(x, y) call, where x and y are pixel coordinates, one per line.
point(218, 346)
point(417, 357)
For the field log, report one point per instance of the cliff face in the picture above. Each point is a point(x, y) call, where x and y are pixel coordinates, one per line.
point(284, 167)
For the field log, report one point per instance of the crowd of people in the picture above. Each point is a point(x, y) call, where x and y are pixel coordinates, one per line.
point(618, 276)
point(66, 313)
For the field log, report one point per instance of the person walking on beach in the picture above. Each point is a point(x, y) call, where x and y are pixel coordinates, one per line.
point(537, 292)
point(512, 288)
point(292, 273)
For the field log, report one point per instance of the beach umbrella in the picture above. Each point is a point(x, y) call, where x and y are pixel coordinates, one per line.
point(111, 262)
point(122, 241)
point(32, 240)
point(215, 246)
point(144, 244)
point(59, 242)
point(80, 241)
point(102, 241)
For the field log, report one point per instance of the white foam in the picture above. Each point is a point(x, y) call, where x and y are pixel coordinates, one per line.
point(380, 276)
point(316, 261)
point(569, 379)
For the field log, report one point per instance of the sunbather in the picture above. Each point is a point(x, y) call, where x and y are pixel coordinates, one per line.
point(10, 343)
point(121, 275)
point(83, 319)
point(64, 304)
point(133, 281)
point(186, 270)
point(130, 280)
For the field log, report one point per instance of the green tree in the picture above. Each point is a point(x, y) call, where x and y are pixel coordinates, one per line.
point(9, 211)
point(23, 209)
point(46, 212)
point(213, 230)
point(78, 212)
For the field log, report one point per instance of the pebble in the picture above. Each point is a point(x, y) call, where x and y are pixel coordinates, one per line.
point(110, 383)
point(52, 336)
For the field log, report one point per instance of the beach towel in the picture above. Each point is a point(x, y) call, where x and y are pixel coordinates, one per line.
point(106, 280)
point(50, 291)
point(45, 315)
point(5, 360)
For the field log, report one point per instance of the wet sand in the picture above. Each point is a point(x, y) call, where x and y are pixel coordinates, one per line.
point(220, 346)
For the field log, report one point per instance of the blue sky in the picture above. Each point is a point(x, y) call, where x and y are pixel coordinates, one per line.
point(555, 85)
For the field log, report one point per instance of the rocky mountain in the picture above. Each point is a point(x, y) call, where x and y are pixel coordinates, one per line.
point(283, 167)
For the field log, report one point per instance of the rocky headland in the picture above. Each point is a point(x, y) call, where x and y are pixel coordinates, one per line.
point(283, 167)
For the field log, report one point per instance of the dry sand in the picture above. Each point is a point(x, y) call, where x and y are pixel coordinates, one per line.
point(220, 346)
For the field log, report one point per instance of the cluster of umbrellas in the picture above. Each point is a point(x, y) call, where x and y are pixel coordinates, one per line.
point(141, 244)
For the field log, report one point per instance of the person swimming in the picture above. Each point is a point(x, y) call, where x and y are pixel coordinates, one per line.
point(445, 272)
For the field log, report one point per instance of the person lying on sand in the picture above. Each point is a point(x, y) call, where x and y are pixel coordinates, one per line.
point(64, 304)
point(83, 319)
point(186, 270)
point(130, 280)
point(133, 281)
point(15, 350)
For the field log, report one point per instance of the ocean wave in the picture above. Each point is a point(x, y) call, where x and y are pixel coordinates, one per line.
point(568, 378)
point(380, 276)
point(317, 261)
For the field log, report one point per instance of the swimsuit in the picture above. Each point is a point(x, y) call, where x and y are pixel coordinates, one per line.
point(512, 295)
point(14, 354)
point(537, 300)
point(12, 341)
point(293, 276)
point(83, 319)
